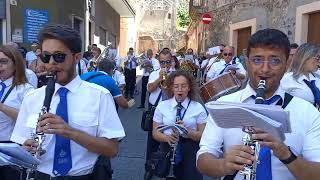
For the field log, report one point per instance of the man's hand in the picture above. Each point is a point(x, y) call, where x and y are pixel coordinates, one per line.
point(52, 124)
point(236, 157)
point(280, 150)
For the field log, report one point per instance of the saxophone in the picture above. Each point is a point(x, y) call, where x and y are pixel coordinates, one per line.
point(249, 171)
point(39, 137)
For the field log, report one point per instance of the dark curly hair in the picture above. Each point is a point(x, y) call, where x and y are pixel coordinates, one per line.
point(193, 93)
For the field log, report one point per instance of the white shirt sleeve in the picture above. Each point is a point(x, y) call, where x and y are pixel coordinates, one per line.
point(311, 147)
point(241, 69)
point(83, 66)
point(109, 123)
point(158, 116)
point(211, 140)
point(32, 78)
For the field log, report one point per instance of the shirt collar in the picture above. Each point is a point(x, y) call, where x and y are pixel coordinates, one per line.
point(72, 86)
point(184, 103)
point(248, 91)
point(8, 82)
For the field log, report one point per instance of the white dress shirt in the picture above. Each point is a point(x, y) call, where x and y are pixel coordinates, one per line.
point(155, 63)
point(165, 113)
point(31, 56)
point(118, 77)
point(91, 109)
point(32, 78)
point(14, 100)
point(303, 140)
point(83, 67)
point(297, 87)
point(217, 67)
point(155, 94)
point(204, 63)
point(129, 59)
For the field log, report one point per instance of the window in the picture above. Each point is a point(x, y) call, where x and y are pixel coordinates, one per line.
point(103, 36)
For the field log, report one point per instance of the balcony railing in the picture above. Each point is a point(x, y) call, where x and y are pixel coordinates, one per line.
point(197, 7)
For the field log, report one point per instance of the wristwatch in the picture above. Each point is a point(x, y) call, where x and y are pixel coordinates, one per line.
point(290, 159)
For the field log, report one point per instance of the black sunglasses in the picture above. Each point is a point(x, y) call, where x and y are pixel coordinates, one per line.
point(227, 54)
point(165, 62)
point(57, 57)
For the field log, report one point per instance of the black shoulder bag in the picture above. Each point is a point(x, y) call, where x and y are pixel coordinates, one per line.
point(147, 116)
point(287, 99)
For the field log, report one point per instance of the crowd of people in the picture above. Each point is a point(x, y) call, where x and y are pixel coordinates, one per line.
point(184, 142)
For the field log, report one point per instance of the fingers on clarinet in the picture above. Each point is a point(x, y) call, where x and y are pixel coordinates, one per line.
point(246, 156)
point(241, 160)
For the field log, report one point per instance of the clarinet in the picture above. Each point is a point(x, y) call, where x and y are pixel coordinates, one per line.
point(39, 137)
point(249, 172)
point(173, 150)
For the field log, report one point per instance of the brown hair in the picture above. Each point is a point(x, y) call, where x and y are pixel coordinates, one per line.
point(191, 82)
point(19, 76)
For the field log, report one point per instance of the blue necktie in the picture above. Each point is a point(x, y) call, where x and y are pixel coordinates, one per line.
point(315, 90)
point(178, 155)
point(3, 87)
point(264, 171)
point(62, 153)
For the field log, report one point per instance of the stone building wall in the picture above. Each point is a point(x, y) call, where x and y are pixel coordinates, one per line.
point(279, 14)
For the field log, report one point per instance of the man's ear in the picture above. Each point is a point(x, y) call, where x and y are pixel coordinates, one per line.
point(77, 57)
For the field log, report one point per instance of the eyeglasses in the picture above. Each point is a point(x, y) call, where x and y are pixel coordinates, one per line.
point(4, 61)
point(227, 54)
point(182, 86)
point(57, 57)
point(274, 63)
point(165, 62)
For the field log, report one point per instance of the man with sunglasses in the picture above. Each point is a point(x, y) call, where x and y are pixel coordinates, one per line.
point(156, 95)
point(222, 151)
point(82, 122)
point(228, 64)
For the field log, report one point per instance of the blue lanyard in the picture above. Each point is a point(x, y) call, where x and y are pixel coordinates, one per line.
point(184, 113)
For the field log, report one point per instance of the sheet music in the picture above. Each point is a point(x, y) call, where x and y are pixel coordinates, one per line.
point(180, 128)
point(17, 153)
point(188, 57)
point(269, 118)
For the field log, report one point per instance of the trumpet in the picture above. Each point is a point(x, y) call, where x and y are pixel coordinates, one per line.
point(94, 64)
point(187, 66)
point(39, 137)
point(163, 83)
point(249, 171)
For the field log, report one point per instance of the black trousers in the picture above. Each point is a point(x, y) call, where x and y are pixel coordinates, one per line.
point(11, 173)
point(152, 146)
point(130, 78)
point(144, 84)
point(186, 170)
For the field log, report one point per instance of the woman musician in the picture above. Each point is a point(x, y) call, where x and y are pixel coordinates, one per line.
point(14, 86)
point(300, 80)
point(181, 88)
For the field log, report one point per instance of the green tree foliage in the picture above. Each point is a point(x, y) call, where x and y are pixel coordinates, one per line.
point(183, 18)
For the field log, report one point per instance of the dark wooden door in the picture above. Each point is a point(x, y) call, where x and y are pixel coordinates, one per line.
point(314, 28)
point(243, 37)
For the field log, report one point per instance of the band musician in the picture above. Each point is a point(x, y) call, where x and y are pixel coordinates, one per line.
point(78, 127)
point(297, 157)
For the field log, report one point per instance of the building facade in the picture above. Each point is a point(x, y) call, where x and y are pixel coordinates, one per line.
point(233, 21)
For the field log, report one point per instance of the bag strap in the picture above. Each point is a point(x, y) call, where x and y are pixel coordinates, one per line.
point(7, 94)
point(158, 99)
point(287, 98)
point(93, 76)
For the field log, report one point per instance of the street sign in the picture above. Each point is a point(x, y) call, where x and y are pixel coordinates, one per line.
point(206, 18)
